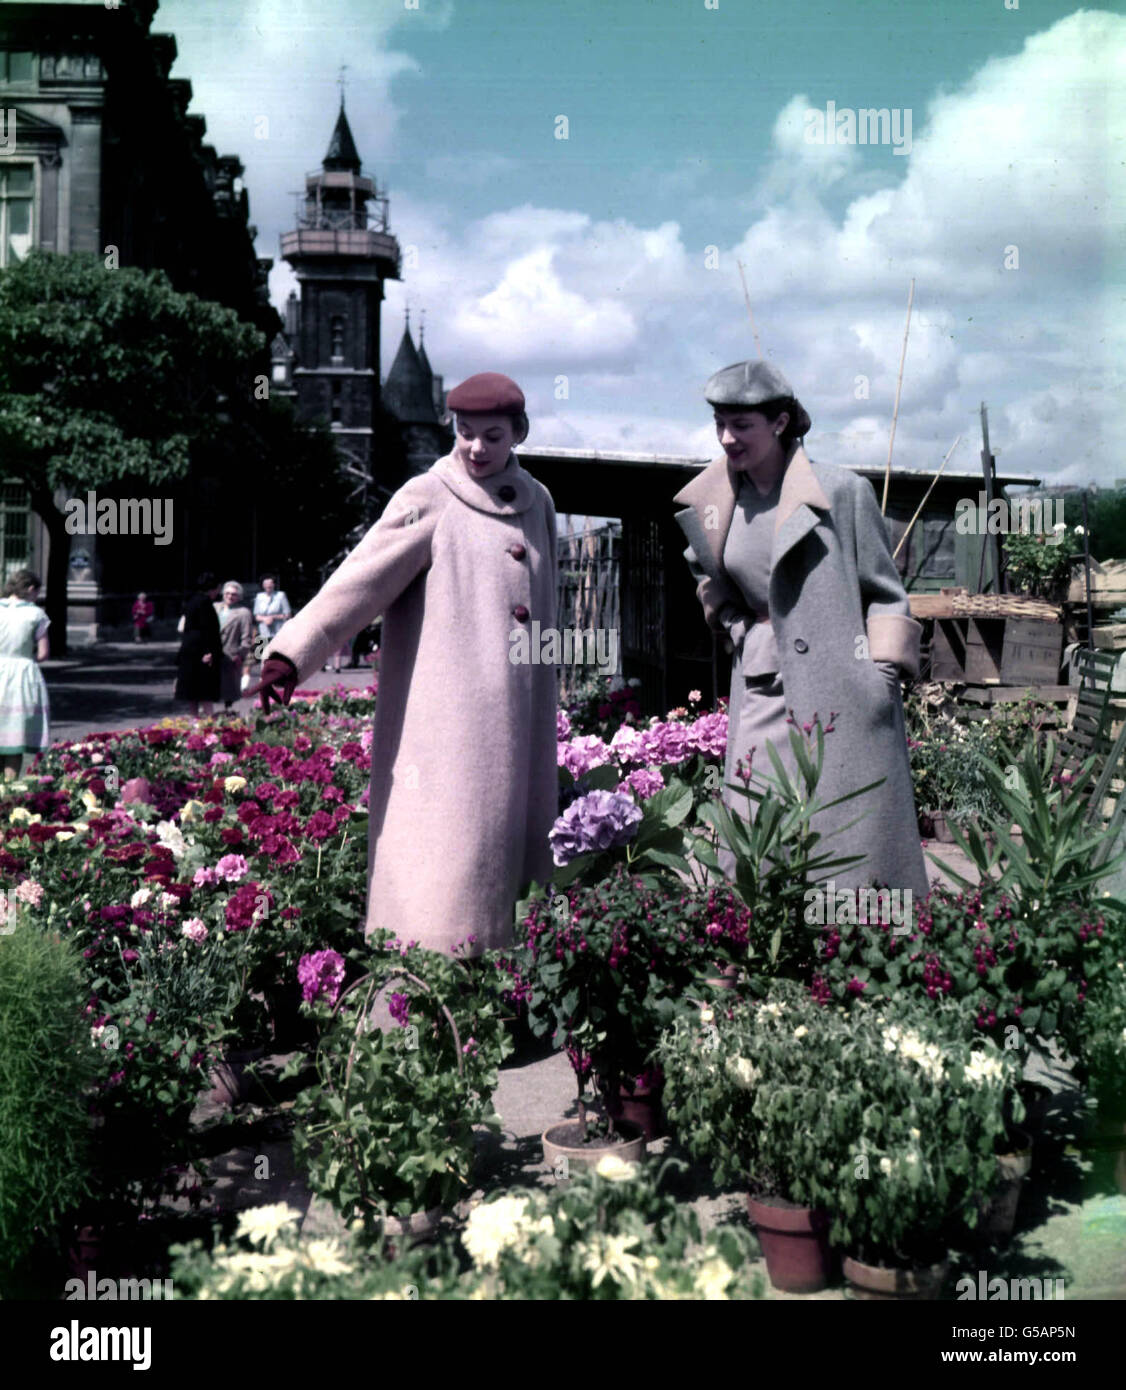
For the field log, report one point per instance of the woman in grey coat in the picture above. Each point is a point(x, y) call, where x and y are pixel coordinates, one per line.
point(792, 564)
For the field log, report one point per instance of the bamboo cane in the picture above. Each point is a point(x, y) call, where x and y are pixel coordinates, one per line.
point(926, 494)
point(898, 389)
point(750, 314)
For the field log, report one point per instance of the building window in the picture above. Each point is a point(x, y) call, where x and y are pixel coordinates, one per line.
point(16, 191)
point(336, 328)
point(15, 67)
point(279, 372)
point(15, 529)
point(337, 388)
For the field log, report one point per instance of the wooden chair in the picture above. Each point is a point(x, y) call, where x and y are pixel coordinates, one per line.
point(1088, 734)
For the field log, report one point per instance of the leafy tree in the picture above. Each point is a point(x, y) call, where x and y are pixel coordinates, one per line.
point(109, 374)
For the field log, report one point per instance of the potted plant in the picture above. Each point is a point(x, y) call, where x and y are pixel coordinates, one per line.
point(406, 1067)
point(605, 969)
point(748, 1091)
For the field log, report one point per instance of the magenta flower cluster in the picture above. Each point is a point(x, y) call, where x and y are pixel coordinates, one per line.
point(321, 975)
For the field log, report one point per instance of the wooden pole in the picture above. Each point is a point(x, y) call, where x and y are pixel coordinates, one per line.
point(750, 314)
point(926, 494)
point(993, 541)
point(898, 389)
point(1087, 572)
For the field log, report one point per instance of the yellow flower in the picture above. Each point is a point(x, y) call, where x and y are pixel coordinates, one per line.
point(261, 1225)
point(65, 835)
point(233, 784)
point(90, 801)
point(713, 1277)
point(191, 810)
point(800, 1031)
point(22, 816)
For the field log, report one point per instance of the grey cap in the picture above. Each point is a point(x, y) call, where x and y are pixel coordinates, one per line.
point(748, 384)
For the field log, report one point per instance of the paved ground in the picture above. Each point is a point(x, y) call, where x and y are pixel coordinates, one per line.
point(126, 685)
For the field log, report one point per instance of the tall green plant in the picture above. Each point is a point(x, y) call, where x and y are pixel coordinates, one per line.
point(777, 852)
point(47, 1065)
point(1053, 860)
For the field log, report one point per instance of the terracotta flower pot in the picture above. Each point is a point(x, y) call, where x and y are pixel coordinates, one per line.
point(230, 1084)
point(893, 1281)
point(1000, 1210)
point(644, 1109)
point(794, 1243)
point(563, 1141)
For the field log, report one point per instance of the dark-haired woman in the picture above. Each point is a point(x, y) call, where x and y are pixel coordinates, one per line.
point(793, 565)
point(24, 708)
point(200, 658)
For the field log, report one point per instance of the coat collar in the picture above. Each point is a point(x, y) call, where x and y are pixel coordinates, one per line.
point(718, 486)
point(484, 494)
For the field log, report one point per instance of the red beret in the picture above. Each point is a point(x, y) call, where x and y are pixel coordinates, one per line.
point(487, 393)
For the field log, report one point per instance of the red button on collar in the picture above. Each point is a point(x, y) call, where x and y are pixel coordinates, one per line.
point(517, 551)
point(520, 613)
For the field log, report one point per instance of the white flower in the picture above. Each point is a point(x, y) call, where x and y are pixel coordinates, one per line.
point(774, 1010)
point(981, 1067)
point(707, 1015)
point(140, 897)
point(261, 1225)
point(610, 1257)
point(800, 1031)
point(233, 784)
point(886, 1167)
point(713, 1277)
point(616, 1169)
point(1079, 531)
point(914, 1133)
point(324, 1257)
point(169, 902)
point(743, 1072)
point(492, 1228)
point(172, 836)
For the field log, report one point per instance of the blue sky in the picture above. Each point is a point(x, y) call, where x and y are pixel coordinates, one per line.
point(600, 270)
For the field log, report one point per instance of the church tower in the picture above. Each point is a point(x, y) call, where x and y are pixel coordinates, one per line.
point(342, 252)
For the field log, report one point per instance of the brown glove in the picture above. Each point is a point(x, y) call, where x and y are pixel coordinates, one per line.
point(279, 681)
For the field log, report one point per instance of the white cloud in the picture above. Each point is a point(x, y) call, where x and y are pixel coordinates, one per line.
point(1026, 154)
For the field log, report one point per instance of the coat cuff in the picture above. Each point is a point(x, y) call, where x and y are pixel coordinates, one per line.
point(895, 637)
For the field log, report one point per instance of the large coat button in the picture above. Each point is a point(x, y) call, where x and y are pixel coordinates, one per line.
point(517, 551)
point(520, 613)
point(506, 493)
point(800, 645)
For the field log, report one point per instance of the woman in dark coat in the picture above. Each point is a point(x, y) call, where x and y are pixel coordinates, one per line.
point(201, 652)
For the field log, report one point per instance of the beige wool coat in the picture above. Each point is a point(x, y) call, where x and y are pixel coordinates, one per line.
point(839, 611)
point(464, 782)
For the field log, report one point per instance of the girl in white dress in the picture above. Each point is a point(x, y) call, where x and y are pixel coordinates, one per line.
point(23, 691)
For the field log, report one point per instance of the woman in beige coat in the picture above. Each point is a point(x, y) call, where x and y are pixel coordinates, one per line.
point(236, 632)
point(464, 783)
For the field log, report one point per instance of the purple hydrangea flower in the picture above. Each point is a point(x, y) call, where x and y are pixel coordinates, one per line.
point(581, 754)
point(399, 1006)
point(321, 975)
point(645, 781)
point(600, 820)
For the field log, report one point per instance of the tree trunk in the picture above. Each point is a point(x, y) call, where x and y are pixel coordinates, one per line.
point(58, 566)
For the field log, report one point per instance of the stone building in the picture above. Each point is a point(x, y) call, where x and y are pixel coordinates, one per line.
point(97, 151)
point(415, 396)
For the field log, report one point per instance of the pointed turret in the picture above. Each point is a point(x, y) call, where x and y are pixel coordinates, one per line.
point(342, 155)
point(409, 389)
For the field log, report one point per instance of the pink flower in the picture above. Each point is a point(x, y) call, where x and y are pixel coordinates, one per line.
point(204, 876)
point(30, 892)
point(232, 867)
point(217, 759)
point(194, 929)
point(644, 781)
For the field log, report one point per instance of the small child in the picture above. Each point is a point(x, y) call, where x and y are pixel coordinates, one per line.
point(142, 617)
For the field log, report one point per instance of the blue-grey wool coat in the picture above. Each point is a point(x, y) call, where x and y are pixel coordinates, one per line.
point(838, 608)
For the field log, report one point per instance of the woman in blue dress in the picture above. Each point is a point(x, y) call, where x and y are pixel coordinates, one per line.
point(23, 692)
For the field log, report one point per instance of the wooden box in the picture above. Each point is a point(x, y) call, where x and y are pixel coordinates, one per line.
point(948, 650)
point(1031, 652)
point(985, 639)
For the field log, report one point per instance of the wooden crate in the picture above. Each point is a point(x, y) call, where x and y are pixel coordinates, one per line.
point(948, 650)
point(1109, 637)
point(1031, 652)
point(985, 640)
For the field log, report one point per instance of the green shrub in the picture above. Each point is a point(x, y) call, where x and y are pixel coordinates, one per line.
point(46, 1063)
